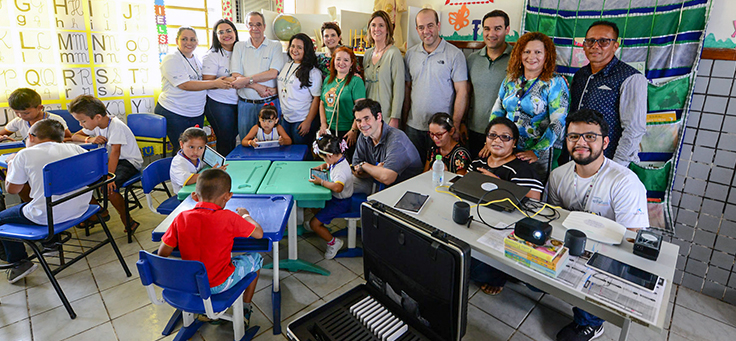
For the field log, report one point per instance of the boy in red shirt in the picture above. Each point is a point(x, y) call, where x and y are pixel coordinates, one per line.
point(205, 233)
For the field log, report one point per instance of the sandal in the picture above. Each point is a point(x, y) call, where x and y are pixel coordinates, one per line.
point(490, 290)
point(133, 227)
point(93, 220)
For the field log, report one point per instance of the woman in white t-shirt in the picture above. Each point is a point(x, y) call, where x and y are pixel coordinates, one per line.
point(299, 87)
point(221, 109)
point(183, 92)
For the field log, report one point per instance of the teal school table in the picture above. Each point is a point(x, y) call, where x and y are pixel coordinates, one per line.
point(292, 177)
point(246, 176)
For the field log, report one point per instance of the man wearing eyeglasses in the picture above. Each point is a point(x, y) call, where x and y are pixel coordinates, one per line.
point(613, 88)
point(255, 63)
point(594, 183)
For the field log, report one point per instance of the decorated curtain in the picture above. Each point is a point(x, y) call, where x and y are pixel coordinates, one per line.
point(662, 39)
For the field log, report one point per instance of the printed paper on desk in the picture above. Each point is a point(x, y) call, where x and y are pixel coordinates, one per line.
point(595, 227)
point(494, 238)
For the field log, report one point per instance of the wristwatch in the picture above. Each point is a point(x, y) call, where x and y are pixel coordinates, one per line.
point(250, 81)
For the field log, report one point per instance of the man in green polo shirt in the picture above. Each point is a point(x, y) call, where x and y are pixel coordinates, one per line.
point(486, 72)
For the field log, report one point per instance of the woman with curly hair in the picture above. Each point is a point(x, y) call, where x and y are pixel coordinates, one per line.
point(535, 99)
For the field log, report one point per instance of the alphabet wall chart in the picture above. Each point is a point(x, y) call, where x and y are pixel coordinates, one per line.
point(65, 48)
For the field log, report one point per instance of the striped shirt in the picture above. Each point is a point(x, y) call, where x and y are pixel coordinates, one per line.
point(519, 172)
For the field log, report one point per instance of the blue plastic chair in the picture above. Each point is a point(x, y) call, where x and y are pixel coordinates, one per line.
point(145, 127)
point(187, 289)
point(352, 218)
point(148, 127)
point(154, 174)
point(71, 122)
point(83, 173)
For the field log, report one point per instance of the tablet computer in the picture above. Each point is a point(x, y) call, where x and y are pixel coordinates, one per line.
point(313, 173)
point(412, 202)
point(624, 271)
point(267, 144)
point(212, 158)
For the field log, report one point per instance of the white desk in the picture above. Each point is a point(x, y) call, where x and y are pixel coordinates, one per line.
point(438, 213)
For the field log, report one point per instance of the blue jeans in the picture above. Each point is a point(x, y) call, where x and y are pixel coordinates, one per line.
point(248, 115)
point(14, 251)
point(176, 124)
point(292, 129)
point(224, 120)
point(584, 318)
point(486, 274)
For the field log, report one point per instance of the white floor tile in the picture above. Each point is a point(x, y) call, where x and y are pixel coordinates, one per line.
point(14, 308)
point(101, 332)
point(707, 306)
point(19, 331)
point(43, 297)
point(484, 327)
point(509, 306)
point(55, 324)
point(695, 326)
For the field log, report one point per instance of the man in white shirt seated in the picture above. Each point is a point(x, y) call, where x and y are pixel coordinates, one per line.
point(595, 184)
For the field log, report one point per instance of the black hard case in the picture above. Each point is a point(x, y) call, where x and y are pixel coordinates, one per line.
point(419, 263)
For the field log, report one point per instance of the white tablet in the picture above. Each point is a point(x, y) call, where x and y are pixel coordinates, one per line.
point(412, 202)
point(212, 158)
point(267, 144)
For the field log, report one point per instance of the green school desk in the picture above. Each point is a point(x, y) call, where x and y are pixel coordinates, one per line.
point(246, 177)
point(292, 177)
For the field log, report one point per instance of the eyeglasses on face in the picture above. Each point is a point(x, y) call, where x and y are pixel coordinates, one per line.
point(437, 135)
point(252, 25)
point(603, 42)
point(221, 32)
point(588, 137)
point(504, 138)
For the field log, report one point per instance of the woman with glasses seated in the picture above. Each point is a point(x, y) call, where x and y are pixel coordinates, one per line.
point(535, 99)
point(501, 138)
point(455, 156)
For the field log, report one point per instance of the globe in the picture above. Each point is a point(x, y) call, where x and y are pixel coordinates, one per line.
point(285, 26)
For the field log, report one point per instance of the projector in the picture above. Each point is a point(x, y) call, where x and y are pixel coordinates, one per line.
point(533, 231)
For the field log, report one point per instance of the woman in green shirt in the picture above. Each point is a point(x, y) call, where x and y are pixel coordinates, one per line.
point(384, 68)
point(340, 91)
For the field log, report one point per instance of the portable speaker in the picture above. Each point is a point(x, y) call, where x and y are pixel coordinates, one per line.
point(533, 231)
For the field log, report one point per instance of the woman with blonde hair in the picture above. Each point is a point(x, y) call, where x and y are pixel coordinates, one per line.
point(384, 68)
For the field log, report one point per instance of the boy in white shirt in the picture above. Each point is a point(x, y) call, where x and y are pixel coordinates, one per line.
point(44, 147)
point(26, 103)
point(125, 159)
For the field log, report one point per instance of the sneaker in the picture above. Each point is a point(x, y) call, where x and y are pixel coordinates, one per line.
point(331, 251)
point(246, 316)
point(20, 270)
point(575, 332)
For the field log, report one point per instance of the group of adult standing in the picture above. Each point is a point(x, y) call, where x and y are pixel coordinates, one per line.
point(516, 107)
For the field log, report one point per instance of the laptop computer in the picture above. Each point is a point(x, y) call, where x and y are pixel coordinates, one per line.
point(474, 185)
point(212, 158)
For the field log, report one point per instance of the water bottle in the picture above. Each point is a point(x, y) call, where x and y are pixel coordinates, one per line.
point(438, 171)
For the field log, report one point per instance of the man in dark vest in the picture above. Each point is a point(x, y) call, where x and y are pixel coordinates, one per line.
point(613, 88)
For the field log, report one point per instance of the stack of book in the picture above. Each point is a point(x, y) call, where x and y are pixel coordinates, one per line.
point(548, 259)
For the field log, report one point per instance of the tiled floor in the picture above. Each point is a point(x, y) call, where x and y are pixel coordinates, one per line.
point(113, 307)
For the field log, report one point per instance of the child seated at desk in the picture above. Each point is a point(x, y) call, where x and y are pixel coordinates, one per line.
point(267, 129)
point(124, 156)
point(26, 103)
point(186, 163)
point(45, 145)
point(206, 232)
point(330, 149)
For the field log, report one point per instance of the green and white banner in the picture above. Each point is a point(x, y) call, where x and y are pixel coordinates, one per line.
point(662, 39)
